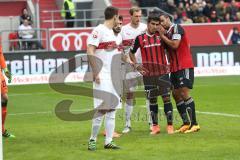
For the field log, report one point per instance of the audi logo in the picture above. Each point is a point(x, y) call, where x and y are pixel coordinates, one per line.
point(66, 40)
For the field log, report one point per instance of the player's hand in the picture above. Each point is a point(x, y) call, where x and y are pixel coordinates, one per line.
point(8, 75)
point(96, 78)
point(142, 70)
point(161, 30)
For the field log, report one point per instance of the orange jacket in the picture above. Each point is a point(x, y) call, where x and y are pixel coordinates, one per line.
point(2, 59)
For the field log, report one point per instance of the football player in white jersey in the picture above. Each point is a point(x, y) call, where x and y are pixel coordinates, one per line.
point(129, 32)
point(101, 50)
point(117, 29)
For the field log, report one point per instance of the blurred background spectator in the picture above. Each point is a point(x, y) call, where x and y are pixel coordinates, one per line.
point(68, 12)
point(235, 36)
point(185, 19)
point(26, 16)
point(26, 33)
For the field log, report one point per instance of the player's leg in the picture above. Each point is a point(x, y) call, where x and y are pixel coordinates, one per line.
point(190, 104)
point(164, 86)
point(152, 95)
point(149, 114)
point(187, 84)
point(4, 98)
point(189, 101)
point(128, 111)
point(153, 105)
point(176, 78)
point(109, 127)
point(128, 89)
point(168, 110)
point(96, 125)
point(181, 107)
point(152, 92)
point(98, 116)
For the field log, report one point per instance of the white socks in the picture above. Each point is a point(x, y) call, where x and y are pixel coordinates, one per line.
point(109, 126)
point(149, 112)
point(128, 111)
point(96, 125)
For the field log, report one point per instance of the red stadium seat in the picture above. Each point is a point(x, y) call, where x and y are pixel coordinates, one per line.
point(13, 37)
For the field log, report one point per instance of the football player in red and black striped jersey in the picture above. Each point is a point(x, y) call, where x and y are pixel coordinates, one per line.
point(155, 71)
point(182, 71)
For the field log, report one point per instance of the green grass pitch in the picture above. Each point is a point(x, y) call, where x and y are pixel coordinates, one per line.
point(40, 135)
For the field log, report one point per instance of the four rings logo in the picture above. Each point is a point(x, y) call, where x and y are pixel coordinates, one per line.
point(70, 41)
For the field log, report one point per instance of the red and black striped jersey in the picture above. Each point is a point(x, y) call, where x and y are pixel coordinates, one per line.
point(152, 53)
point(180, 58)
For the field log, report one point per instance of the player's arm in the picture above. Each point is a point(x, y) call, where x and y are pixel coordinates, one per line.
point(4, 66)
point(174, 42)
point(93, 42)
point(132, 52)
point(133, 60)
point(92, 60)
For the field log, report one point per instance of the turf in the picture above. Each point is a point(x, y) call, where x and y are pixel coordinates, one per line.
point(41, 135)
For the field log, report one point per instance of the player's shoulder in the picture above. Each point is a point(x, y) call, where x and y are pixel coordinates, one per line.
point(126, 26)
point(142, 25)
point(101, 30)
point(142, 34)
point(99, 27)
point(178, 29)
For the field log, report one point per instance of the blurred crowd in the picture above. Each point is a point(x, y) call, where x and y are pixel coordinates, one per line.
point(197, 11)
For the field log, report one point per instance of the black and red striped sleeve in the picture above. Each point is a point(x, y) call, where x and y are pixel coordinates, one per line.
point(135, 45)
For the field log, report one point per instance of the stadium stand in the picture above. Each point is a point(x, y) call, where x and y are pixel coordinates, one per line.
point(48, 5)
point(6, 8)
point(123, 5)
point(197, 11)
point(9, 17)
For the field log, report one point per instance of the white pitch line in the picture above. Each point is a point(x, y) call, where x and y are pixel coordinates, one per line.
point(81, 110)
point(30, 94)
point(28, 113)
point(220, 114)
point(46, 112)
point(210, 113)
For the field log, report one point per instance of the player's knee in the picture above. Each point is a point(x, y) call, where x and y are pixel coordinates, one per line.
point(153, 101)
point(4, 97)
point(4, 100)
point(111, 115)
point(130, 95)
point(185, 94)
point(131, 102)
point(177, 96)
point(166, 99)
point(98, 120)
point(4, 103)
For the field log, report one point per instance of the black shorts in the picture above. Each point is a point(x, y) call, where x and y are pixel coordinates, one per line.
point(183, 78)
point(157, 85)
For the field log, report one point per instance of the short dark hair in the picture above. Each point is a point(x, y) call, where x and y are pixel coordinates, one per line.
point(153, 17)
point(120, 17)
point(134, 9)
point(164, 15)
point(110, 12)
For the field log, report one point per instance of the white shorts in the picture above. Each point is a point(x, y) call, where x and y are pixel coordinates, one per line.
point(106, 92)
point(130, 78)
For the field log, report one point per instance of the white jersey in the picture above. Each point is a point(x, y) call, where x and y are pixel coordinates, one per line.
point(107, 46)
point(118, 39)
point(129, 34)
